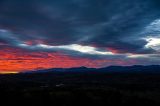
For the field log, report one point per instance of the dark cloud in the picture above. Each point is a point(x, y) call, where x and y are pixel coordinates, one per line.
point(116, 24)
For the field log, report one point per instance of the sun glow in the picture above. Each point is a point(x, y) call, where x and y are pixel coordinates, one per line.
point(8, 72)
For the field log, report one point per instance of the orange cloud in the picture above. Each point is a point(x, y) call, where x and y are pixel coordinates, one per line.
point(16, 60)
point(13, 60)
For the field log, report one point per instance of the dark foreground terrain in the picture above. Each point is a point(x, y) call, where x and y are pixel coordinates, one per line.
point(136, 85)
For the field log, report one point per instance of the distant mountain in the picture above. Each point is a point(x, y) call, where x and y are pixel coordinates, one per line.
point(110, 69)
point(133, 69)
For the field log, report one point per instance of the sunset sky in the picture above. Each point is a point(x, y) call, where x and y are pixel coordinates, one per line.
point(42, 34)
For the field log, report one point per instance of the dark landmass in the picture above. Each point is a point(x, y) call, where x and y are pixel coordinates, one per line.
point(114, 85)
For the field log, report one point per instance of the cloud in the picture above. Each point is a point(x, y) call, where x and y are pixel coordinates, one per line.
point(73, 47)
point(109, 29)
point(153, 42)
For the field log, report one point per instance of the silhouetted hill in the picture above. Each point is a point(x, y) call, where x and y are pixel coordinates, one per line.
point(110, 69)
point(122, 85)
point(133, 69)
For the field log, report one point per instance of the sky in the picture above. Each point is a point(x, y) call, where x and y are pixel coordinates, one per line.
point(42, 34)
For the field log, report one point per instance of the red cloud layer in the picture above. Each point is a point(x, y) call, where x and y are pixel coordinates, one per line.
point(17, 60)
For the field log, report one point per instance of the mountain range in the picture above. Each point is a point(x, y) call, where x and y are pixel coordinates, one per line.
point(110, 69)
